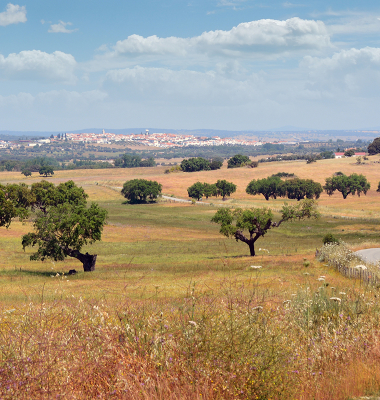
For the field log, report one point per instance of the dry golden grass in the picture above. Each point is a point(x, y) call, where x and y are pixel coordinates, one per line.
point(104, 335)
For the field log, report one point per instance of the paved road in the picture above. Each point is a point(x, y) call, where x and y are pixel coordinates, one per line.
point(370, 255)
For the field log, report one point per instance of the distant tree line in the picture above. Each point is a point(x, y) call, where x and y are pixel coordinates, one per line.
point(133, 161)
point(308, 156)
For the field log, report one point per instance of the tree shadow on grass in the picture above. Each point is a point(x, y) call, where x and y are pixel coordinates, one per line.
point(130, 202)
point(35, 273)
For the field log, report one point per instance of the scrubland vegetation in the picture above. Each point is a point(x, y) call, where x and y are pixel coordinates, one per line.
point(177, 311)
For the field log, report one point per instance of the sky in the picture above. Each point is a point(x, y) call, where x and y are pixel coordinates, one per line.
point(189, 64)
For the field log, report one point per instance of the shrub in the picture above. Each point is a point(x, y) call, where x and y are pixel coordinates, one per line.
point(284, 175)
point(237, 161)
point(329, 238)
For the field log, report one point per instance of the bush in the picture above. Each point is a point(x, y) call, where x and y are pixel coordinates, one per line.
point(237, 161)
point(329, 238)
point(284, 175)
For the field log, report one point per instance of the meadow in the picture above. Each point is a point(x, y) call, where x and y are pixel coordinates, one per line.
point(174, 310)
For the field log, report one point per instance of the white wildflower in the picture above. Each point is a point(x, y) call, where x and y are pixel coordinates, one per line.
point(361, 267)
point(337, 299)
point(320, 279)
point(193, 323)
point(342, 293)
point(256, 266)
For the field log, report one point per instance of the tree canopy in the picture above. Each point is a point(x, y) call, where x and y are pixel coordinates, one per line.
point(225, 188)
point(141, 190)
point(63, 230)
point(374, 147)
point(296, 188)
point(302, 188)
point(14, 203)
point(195, 164)
point(26, 172)
point(46, 170)
point(237, 161)
point(216, 163)
point(62, 222)
point(269, 187)
point(196, 190)
point(349, 153)
point(352, 184)
point(257, 221)
point(209, 189)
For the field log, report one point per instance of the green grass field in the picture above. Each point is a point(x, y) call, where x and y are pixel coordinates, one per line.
point(162, 265)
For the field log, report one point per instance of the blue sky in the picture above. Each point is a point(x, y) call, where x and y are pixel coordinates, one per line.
point(217, 64)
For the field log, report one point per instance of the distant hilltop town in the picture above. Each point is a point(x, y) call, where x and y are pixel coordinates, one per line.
point(163, 140)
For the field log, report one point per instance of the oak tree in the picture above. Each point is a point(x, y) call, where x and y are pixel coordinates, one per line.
point(248, 225)
point(269, 187)
point(63, 223)
point(196, 190)
point(352, 184)
point(46, 170)
point(141, 190)
point(225, 188)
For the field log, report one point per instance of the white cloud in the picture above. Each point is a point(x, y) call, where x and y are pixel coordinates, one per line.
point(38, 65)
point(13, 14)
point(61, 28)
point(354, 24)
point(265, 36)
point(355, 72)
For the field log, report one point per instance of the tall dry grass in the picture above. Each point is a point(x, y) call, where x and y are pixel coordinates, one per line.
point(239, 342)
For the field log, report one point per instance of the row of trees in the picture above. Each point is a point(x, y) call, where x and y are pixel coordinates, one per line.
point(46, 170)
point(220, 188)
point(62, 221)
point(201, 164)
point(296, 188)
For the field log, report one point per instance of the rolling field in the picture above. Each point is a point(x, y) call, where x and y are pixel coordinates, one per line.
point(175, 311)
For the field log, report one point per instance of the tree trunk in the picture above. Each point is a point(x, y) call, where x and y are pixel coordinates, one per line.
point(87, 260)
point(252, 248)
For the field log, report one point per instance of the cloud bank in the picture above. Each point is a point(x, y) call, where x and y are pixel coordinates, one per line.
point(38, 65)
point(265, 36)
